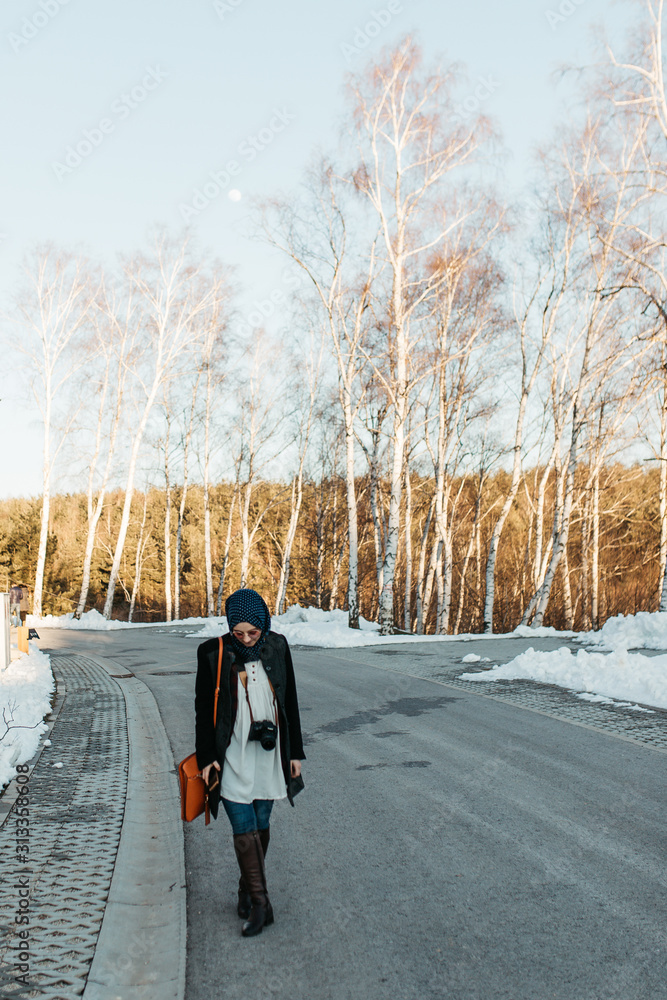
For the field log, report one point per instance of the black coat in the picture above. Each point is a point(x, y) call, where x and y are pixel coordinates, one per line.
point(276, 659)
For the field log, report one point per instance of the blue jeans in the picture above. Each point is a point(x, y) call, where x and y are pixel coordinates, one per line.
point(248, 816)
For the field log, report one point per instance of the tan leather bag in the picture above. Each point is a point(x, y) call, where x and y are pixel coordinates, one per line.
point(194, 792)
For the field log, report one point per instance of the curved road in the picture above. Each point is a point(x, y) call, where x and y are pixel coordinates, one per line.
point(448, 845)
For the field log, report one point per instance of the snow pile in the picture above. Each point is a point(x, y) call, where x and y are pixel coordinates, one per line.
point(328, 630)
point(93, 620)
point(315, 627)
point(617, 675)
point(26, 687)
point(301, 626)
point(540, 632)
point(645, 630)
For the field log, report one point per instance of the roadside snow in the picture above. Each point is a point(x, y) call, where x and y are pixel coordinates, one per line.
point(645, 630)
point(301, 626)
point(618, 674)
point(26, 687)
point(93, 620)
point(329, 630)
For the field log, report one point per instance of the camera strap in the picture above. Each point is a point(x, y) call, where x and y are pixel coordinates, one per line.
point(247, 698)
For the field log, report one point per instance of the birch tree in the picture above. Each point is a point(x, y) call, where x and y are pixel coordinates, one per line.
point(172, 298)
point(256, 442)
point(116, 330)
point(594, 201)
point(318, 235)
point(306, 405)
point(52, 313)
point(407, 148)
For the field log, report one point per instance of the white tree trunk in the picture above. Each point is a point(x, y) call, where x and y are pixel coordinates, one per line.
point(474, 538)
point(297, 498)
point(500, 523)
point(225, 555)
point(333, 596)
point(407, 602)
point(595, 556)
point(210, 607)
point(386, 611)
point(421, 569)
point(127, 505)
point(561, 527)
point(138, 562)
point(352, 522)
point(46, 504)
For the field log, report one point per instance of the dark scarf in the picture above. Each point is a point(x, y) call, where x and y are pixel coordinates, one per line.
point(247, 606)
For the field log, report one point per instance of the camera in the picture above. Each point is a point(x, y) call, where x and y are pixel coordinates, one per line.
point(264, 732)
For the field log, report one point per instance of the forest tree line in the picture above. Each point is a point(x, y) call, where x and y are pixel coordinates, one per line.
point(628, 555)
point(460, 422)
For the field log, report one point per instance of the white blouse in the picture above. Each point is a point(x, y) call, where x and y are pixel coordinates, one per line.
point(249, 771)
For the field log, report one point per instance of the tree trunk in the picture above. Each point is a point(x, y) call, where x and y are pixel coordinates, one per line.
point(352, 529)
point(44, 526)
point(500, 523)
point(567, 591)
point(407, 604)
point(333, 597)
point(595, 557)
point(167, 531)
point(297, 498)
point(225, 555)
point(138, 562)
point(319, 543)
point(210, 608)
point(474, 538)
point(561, 532)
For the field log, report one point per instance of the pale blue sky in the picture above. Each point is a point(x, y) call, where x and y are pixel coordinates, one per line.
point(219, 76)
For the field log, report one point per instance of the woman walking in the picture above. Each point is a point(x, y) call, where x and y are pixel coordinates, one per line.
point(256, 746)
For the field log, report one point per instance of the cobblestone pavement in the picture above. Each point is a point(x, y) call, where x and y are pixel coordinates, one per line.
point(648, 727)
point(74, 817)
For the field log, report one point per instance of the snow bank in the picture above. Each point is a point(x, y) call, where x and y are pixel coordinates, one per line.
point(93, 620)
point(540, 632)
point(615, 675)
point(315, 627)
point(26, 687)
point(301, 626)
point(329, 630)
point(645, 630)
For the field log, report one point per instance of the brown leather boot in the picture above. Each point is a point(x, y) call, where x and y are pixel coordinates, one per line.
point(248, 847)
point(244, 903)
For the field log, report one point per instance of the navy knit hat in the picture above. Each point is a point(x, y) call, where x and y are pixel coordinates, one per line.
point(247, 606)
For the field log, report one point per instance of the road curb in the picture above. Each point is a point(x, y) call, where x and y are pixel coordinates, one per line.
point(141, 949)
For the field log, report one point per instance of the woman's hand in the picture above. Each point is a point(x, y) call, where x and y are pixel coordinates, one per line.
point(207, 770)
point(295, 768)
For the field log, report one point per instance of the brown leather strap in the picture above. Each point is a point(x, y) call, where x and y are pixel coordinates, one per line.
point(217, 683)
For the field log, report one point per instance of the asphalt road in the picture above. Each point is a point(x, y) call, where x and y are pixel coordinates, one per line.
point(447, 845)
